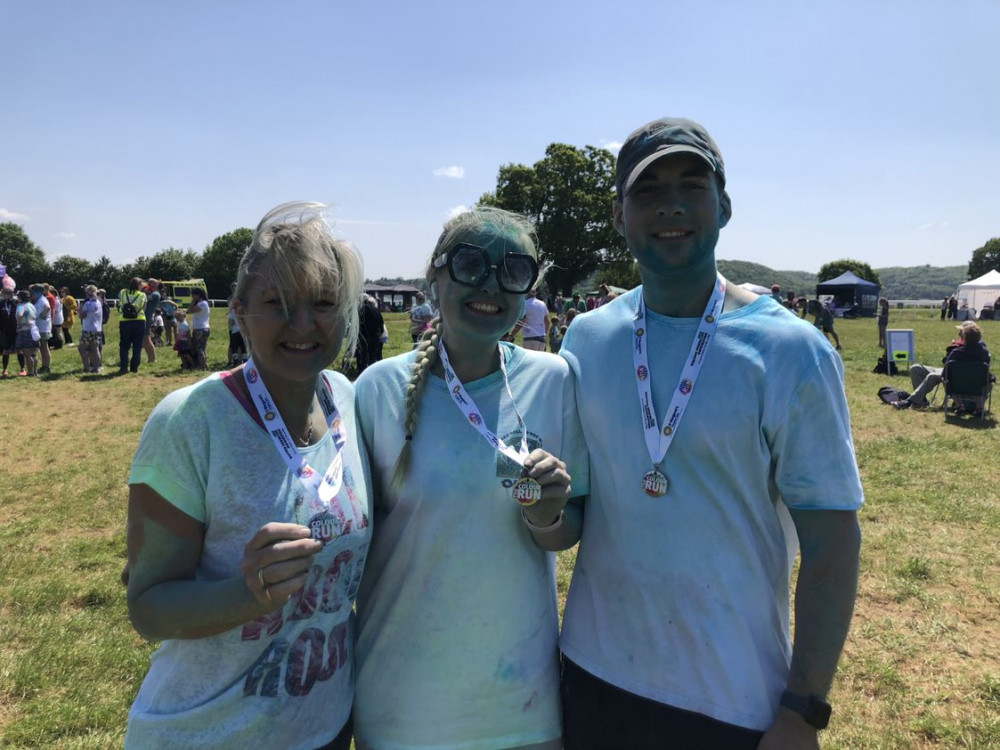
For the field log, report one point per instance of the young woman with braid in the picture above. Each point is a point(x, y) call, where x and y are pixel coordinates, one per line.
point(457, 611)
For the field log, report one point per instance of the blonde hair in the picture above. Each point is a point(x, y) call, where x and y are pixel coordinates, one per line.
point(305, 260)
point(482, 220)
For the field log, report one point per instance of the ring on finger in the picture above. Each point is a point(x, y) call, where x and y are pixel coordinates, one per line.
point(260, 578)
point(267, 592)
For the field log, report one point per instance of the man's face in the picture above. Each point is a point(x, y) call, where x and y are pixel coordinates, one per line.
point(671, 216)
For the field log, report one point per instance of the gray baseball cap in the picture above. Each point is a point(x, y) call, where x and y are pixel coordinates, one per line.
point(659, 138)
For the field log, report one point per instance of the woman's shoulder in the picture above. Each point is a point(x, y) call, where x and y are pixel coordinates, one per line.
point(535, 362)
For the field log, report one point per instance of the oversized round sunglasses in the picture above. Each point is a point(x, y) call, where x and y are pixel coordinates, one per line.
point(471, 265)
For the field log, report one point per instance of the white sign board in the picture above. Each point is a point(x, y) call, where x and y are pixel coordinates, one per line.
point(900, 347)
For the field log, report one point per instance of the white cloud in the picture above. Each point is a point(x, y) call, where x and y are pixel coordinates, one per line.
point(455, 173)
point(612, 146)
point(8, 215)
point(925, 227)
point(456, 210)
point(65, 235)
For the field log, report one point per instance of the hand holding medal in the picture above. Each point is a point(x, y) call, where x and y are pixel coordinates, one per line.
point(276, 562)
point(549, 474)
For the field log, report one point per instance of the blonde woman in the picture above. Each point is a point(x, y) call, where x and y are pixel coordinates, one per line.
point(249, 518)
point(457, 611)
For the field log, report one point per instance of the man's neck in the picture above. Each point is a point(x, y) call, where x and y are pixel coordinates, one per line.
point(678, 295)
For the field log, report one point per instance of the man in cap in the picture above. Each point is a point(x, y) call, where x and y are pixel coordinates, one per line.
point(700, 402)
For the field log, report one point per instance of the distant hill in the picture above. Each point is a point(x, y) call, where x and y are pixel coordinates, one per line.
point(922, 282)
point(741, 271)
point(916, 282)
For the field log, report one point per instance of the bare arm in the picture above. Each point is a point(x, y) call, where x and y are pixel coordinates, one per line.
point(830, 542)
point(551, 473)
point(164, 546)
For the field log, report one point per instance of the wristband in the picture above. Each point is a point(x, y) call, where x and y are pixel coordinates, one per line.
point(542, 529)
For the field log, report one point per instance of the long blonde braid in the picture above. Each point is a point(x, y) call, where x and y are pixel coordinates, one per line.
point(494, 221)
point(427, 357)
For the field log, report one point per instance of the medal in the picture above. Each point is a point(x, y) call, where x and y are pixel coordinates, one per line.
point(321, 487)
point(654, 483)
point(527, 491)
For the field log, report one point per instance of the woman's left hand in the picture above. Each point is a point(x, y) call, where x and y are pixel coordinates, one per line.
point(555, 480)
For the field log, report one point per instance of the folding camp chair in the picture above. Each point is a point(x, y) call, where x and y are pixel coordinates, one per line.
point(969, 388)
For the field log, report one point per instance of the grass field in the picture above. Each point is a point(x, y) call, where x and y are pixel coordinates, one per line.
point(921, 668)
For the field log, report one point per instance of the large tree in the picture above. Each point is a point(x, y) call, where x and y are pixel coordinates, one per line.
point(24, 260)
point(834, 268)
point(221, 260)
point(985, 259)
point(568, 194)
point(172, 264)
point(71, 273)
point(106, 275)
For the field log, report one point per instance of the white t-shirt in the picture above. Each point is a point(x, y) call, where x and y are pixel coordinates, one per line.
point(199, 319)
point(158, 320)
point(44, 315)
point(26, 316)
point(57, 313)
point(684, 599)
point(535, 313)
point(90, 314)
point(457, 616)
point(286, 679)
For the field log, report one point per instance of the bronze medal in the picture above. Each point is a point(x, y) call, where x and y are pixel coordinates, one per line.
point(654, 483)
point(527, 491)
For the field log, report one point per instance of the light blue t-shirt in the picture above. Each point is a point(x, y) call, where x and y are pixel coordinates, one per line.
point(684, 599)
point(457, 616)
point(284, 680)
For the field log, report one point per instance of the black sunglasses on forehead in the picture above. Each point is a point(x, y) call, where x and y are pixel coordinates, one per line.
point(470, 265)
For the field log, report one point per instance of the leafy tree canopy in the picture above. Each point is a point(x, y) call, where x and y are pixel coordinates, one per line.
point(834, 268)
point(171, 264)
point(568, 194)
point(71, 273)
point(24, 260)
point(221, 260)
point(106, 275)
point(985, 259)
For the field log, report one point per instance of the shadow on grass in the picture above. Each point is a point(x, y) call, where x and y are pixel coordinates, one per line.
point(970, 422)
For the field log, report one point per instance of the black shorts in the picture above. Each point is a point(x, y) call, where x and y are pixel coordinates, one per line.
point(599, 716)
point(7, 341)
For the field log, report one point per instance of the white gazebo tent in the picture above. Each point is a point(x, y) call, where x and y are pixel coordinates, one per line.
point(980, 292)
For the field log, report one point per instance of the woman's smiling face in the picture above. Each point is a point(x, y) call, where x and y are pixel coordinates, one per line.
point(485, 313)
point(293, 343)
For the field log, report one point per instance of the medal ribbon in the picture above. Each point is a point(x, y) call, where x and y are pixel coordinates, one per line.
point(658, 441)
point(468, 407)
point(326, 485)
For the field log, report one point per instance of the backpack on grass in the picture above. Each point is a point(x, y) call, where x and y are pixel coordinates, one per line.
point(886, 366)
point(890, 393)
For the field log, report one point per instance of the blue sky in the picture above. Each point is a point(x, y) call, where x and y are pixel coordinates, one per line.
point(849, 129)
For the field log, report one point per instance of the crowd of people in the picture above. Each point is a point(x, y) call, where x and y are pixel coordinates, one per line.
point(432, 493)
point(39, 320)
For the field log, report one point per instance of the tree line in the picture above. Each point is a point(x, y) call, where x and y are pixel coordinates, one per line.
point(217, 264)
point(568, 193)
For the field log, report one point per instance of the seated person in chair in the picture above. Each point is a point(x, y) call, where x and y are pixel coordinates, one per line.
point(969, 347)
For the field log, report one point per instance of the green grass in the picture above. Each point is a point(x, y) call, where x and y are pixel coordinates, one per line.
point(921, 668)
